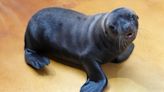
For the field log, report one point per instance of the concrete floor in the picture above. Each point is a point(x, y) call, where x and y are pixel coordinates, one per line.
point(142, 72)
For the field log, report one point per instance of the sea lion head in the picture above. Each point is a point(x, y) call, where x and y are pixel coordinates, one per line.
point(121, 26)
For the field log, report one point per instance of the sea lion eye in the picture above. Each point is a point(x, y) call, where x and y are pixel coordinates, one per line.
point(134, 17)
point(113, 29)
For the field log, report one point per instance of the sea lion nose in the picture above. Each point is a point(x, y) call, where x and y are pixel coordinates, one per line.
point(129, 33)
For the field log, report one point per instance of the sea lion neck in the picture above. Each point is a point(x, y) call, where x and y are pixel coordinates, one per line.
point(102, 40)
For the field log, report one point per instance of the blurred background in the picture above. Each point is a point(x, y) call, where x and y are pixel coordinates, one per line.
point(142, 72)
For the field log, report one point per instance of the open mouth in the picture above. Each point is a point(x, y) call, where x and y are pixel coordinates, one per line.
point(129, 35)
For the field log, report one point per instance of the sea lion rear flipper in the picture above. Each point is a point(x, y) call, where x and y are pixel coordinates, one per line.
point(35, 60)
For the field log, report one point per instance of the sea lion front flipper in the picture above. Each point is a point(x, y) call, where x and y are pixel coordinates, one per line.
point(35, 60)
point(122, 57)
point(97, 80)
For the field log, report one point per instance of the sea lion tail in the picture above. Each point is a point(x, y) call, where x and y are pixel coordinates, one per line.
point(35, 59)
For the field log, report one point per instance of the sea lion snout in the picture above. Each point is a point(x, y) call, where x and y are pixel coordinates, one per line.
point(130, 31)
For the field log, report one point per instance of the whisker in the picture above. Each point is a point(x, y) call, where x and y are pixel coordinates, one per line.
point(126, 43)
point(119, 42)
point(122, 44)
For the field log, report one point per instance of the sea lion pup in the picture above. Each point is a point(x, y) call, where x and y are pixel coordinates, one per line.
point(85, 40)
